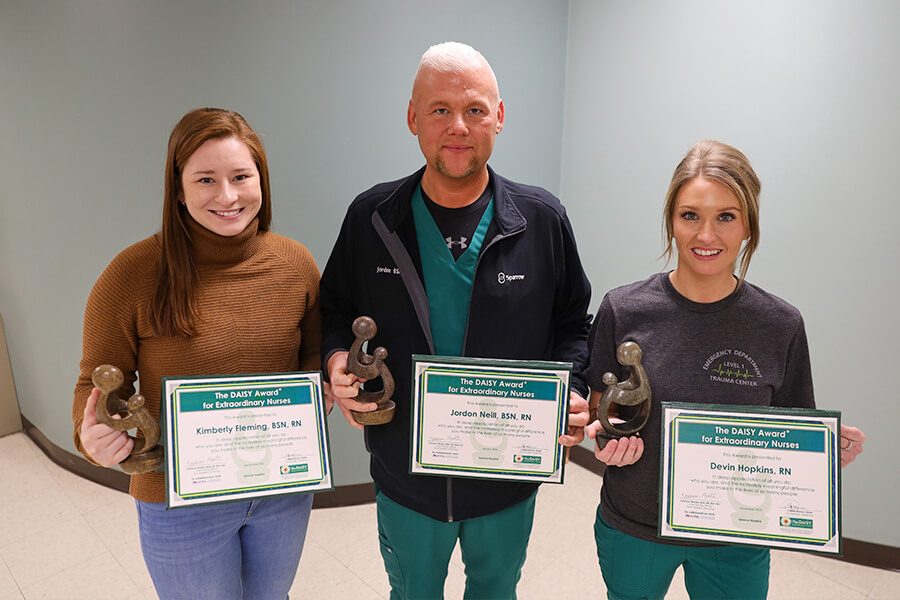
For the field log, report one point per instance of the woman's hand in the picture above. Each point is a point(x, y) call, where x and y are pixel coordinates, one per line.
point(617, 453)
point(107, 446)
point(851, 444)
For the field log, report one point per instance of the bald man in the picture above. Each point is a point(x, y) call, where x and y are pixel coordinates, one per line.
point(453, 260)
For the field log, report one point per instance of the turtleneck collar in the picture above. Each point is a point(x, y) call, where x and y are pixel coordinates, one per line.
point(214, 249)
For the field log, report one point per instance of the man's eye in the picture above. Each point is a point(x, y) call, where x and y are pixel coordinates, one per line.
point(476, 111)
point(440, 111)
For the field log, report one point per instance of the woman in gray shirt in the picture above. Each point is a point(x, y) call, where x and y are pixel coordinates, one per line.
point(696, 325)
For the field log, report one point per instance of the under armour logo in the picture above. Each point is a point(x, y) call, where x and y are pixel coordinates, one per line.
point(461, 242)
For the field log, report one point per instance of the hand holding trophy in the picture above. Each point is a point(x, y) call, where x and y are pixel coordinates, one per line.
point(145, 456)
point(634, 391)
point(368, 367)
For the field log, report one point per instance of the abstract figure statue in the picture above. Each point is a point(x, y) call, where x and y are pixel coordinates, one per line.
point(368, 367)
point(146, 456)
point(634, 391)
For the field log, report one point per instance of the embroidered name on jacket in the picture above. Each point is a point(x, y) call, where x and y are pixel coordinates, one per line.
point(388, 270)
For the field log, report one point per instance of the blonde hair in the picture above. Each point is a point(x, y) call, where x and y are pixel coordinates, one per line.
point(728, 166)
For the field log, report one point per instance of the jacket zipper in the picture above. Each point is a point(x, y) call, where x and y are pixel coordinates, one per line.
point(449, 500)
point(493, 241)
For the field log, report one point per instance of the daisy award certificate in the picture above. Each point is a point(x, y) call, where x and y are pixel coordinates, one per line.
point(239, 437)
point(751, 475)
point(490, 419)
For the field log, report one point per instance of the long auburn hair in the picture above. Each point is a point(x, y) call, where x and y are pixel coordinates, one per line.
point(172, 308)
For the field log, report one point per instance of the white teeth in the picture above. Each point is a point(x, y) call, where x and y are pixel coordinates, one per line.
point(706, 252)
point(227, 213)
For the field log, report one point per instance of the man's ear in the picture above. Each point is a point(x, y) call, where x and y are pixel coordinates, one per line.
point(411, 119)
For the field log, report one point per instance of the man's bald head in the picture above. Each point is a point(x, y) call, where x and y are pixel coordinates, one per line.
point(454, 57)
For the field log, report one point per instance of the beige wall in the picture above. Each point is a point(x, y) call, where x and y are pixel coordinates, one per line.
point(10, 422)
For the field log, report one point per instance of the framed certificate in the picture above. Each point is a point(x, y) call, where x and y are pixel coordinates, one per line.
point(751, 475)
point(491, 419)
point(244, 436)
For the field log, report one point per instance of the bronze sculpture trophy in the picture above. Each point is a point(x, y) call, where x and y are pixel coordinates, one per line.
point(368, 367)
point(145, 456)
point(634, 391)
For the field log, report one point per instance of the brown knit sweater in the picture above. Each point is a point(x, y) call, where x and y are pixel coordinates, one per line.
point(258, 301)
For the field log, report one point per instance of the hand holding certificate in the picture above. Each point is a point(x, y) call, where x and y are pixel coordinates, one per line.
point(488, 418)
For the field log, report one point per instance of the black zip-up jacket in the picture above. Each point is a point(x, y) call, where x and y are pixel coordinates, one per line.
point(529, 301)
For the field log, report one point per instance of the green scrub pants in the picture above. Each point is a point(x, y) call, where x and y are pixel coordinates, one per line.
point(416, 550)
point(635, 569)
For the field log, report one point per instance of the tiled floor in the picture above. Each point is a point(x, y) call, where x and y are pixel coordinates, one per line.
point(64, 538)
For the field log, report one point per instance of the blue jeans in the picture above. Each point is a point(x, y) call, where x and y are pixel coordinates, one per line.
point(236, 550)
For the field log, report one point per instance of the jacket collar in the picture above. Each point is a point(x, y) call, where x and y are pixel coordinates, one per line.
point(397, 206)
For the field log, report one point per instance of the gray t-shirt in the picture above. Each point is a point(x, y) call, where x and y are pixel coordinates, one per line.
point(748, 348)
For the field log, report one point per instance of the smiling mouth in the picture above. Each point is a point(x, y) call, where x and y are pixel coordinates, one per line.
point(228, 213)
point(701, 252)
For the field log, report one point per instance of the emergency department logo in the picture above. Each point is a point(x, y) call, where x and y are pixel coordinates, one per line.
point(734, 367)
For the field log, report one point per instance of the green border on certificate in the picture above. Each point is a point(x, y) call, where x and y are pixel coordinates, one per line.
point(239, 437)
point(752, 475)
point(489, 419)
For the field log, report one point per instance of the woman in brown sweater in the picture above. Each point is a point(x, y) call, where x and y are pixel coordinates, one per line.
point(213, 293)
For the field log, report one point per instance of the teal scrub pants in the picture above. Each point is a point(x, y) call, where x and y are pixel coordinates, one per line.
point(416, 550)
point(635, 569)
